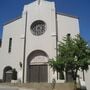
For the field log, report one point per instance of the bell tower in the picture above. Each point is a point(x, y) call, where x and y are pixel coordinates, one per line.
point(39, 1)
point(40, 39)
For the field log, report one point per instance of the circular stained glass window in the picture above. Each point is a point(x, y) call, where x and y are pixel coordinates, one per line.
point(38, 27)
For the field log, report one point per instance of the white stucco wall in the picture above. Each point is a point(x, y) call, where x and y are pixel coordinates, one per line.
point(46, 42)
point(67, 25)
point(14, 30)
point(87, 79)
point(44, 11)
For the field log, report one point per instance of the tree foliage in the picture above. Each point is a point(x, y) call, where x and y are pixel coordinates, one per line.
point(73, 55)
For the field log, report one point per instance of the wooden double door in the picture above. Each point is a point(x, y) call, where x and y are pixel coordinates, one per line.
point(38, 73)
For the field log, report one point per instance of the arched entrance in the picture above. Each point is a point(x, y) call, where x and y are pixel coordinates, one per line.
point(37, 68)
point(7, 74)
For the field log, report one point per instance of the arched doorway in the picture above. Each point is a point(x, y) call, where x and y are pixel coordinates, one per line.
point(37, 68)
point(7, 74)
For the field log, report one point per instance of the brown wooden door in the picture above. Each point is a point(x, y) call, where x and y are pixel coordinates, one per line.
point(38, 73)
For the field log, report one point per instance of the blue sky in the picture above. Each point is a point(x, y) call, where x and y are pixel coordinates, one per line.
point(10, 9)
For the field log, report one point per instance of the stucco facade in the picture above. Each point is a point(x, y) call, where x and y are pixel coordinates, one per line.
point(34, 51)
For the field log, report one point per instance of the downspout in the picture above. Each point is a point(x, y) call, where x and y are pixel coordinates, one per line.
point(83, 76)
point(24, 52)
point(56, 35)
point(56, 32)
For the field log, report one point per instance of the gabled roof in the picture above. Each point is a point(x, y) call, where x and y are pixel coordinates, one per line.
point(12, 20)
point(64, 14)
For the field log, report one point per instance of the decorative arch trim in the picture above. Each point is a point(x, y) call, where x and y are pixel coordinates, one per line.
point(37, 67)
point(37, 56)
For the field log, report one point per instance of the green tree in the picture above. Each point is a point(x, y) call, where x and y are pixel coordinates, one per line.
point(73, 55)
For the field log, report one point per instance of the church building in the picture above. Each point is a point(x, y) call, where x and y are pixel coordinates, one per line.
point(30, 41)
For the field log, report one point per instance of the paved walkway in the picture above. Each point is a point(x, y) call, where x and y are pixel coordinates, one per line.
point(6, 87)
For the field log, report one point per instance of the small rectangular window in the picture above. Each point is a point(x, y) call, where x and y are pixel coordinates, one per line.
point(60, 75)
point(68, 34)
point(10, 45)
